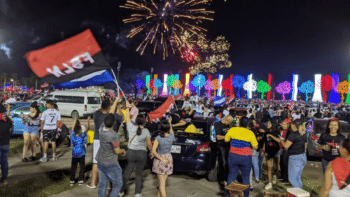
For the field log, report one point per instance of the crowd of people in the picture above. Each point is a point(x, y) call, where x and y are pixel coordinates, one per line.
point(274, 131)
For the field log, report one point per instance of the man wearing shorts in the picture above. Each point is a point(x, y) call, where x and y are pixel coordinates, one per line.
point(50, 118)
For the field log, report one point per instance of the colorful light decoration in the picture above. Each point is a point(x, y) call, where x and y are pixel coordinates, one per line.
point(187, 91)
point(263, 87)
point(326, 85)
point(155, 76)
point(208, 86)
point(317, 92)
point(148, 79)
point(165, 87)
point(334, 92)
point(295, 87)
point(250, 86)
point(307, 87)
point(157, 83)
point(348, 96)
point(343, 88)
point(238, 82)
point(199, 82)
point(269, 81)
point(139, 84)
point(284, 88)
point(169, 82)
point(220, 77)
point(176, 84)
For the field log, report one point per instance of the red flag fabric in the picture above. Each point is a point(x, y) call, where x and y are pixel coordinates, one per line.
point(341, 170)
point(230, 99)
point(291, 105)
point(162, 110)
point(68, 60)
point(177, 97)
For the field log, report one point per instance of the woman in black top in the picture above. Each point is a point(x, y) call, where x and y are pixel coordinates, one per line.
point(329, 142)
point(296, 146)
point(5, 133)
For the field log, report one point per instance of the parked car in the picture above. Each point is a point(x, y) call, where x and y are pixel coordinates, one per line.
point(148, 106)
point(195, 152)
point(75, 103)
point(319, 127)
point(36, 98)
point(344, 116)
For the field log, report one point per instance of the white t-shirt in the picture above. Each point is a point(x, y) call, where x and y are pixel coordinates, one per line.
point(295, 116)
point(10, 100)
point(50, 117)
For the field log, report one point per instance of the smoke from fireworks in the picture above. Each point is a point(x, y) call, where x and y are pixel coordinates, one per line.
point(163, 22)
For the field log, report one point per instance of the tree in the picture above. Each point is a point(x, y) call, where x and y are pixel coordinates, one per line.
point(190, 87)
point(198, 82)
point(238, 82)
point(177, 85)
point(208, 86)
point(169, 81)
point(140, 84)
point(24, 81)
point(263, 87)
point(150, 85)
point(214, 85)
point(250, 85)
point(226, 85)
point(157, 83)
point(307, 87)
point(4, 78)
point(326, 85)
point(343, 88)
point(283, 88)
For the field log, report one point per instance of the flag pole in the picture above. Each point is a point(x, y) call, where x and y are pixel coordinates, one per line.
point(118, 87)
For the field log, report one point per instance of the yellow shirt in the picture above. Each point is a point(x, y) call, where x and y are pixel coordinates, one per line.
point(242, 140)
point(124, 112)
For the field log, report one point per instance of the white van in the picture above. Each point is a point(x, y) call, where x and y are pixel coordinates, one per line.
point(75, 103)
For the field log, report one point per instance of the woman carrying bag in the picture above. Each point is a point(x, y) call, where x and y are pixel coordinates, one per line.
point(137, 153)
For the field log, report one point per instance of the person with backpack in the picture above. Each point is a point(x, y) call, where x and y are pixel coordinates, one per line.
point(78, 141)
point(137, 153)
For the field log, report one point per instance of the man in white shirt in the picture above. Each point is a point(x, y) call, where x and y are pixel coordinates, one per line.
point(50, 119)
point(11, 100)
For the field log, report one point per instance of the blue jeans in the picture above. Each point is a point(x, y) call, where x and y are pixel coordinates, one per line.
point(256, 166)
point(324, 165)
point(111, 173)
point(296, 164)
point(239, 163)
point(4, 150)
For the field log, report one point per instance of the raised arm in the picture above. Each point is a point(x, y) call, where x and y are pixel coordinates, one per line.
point(127, 114)
point(88, 124)
point(327, 184)
point(74, 123)
point(113, 108)
point(171, 127)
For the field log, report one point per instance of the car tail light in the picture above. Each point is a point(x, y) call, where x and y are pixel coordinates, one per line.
point(85, 108)
point(203, 147)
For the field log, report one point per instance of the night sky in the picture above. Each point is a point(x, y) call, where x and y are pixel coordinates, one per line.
point(281, 37)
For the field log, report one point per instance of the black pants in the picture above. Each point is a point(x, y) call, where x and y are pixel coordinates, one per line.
point(284, 165)
point(126, 135)
point(223, 164)
point(75, 162)
point(136, 159)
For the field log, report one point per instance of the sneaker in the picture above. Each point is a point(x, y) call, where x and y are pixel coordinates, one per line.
point(54, 158)
point(268, 186)
point(25, 159)
point(121, 194)
point(138, 195)
point(72, 183)
point(90, 186)
point(32, 158)
point(274, 179)
point(44, 159)
point(81, 183)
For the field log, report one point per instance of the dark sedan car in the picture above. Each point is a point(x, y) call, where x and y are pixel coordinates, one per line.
point(195, 153)
point(148, 106)
point(319, 127)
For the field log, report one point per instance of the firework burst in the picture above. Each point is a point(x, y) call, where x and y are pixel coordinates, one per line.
point(163, 22)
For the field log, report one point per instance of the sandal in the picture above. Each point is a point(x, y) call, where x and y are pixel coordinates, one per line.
point(25, 159)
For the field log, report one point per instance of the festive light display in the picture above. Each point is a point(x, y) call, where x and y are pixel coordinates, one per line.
point(348, 96)
point(162, 22)
point(250, 86)
point(157, 83)
point(155, 89)
point(165, 87)
point(208, 86)
point(215, 86)
point(169, 82)
point(212, 57)
point(199, 82)
point(227, 86)
point(269, 81)
point(283, 88)
point(139, 84)
point(191, 87)
point(187, 91)
point(326, 85)
point(220, 77)
point(307, 87)
point(335, 98)
point(148, 78)
point(263, 87)
point(238, 82)
point(295, 87)
point(343, 88)
point(177, 85)
point(317, 92)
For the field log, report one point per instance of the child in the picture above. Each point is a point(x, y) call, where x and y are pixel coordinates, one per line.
point(78, 141)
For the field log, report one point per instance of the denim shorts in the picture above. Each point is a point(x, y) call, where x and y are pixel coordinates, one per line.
point(31, 130)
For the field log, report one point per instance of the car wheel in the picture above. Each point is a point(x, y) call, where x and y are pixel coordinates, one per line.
point(213, 174)
point(75, 115)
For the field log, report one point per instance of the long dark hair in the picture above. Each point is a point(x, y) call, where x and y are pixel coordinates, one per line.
point(35, 106)
point(140, 121)
point(346, 144)
point(77, 128)
point(328, 131)
point(297, 123)
point(164, 127)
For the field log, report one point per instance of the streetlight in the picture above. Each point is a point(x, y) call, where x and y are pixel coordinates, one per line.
point(118, 69)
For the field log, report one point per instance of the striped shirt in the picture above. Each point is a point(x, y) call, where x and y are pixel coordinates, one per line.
point(242, 140)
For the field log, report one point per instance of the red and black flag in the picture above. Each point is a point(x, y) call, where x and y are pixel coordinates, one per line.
point(70, 59)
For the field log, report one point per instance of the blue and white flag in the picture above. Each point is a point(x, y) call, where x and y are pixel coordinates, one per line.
point(218, 101)
point(92, 79)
